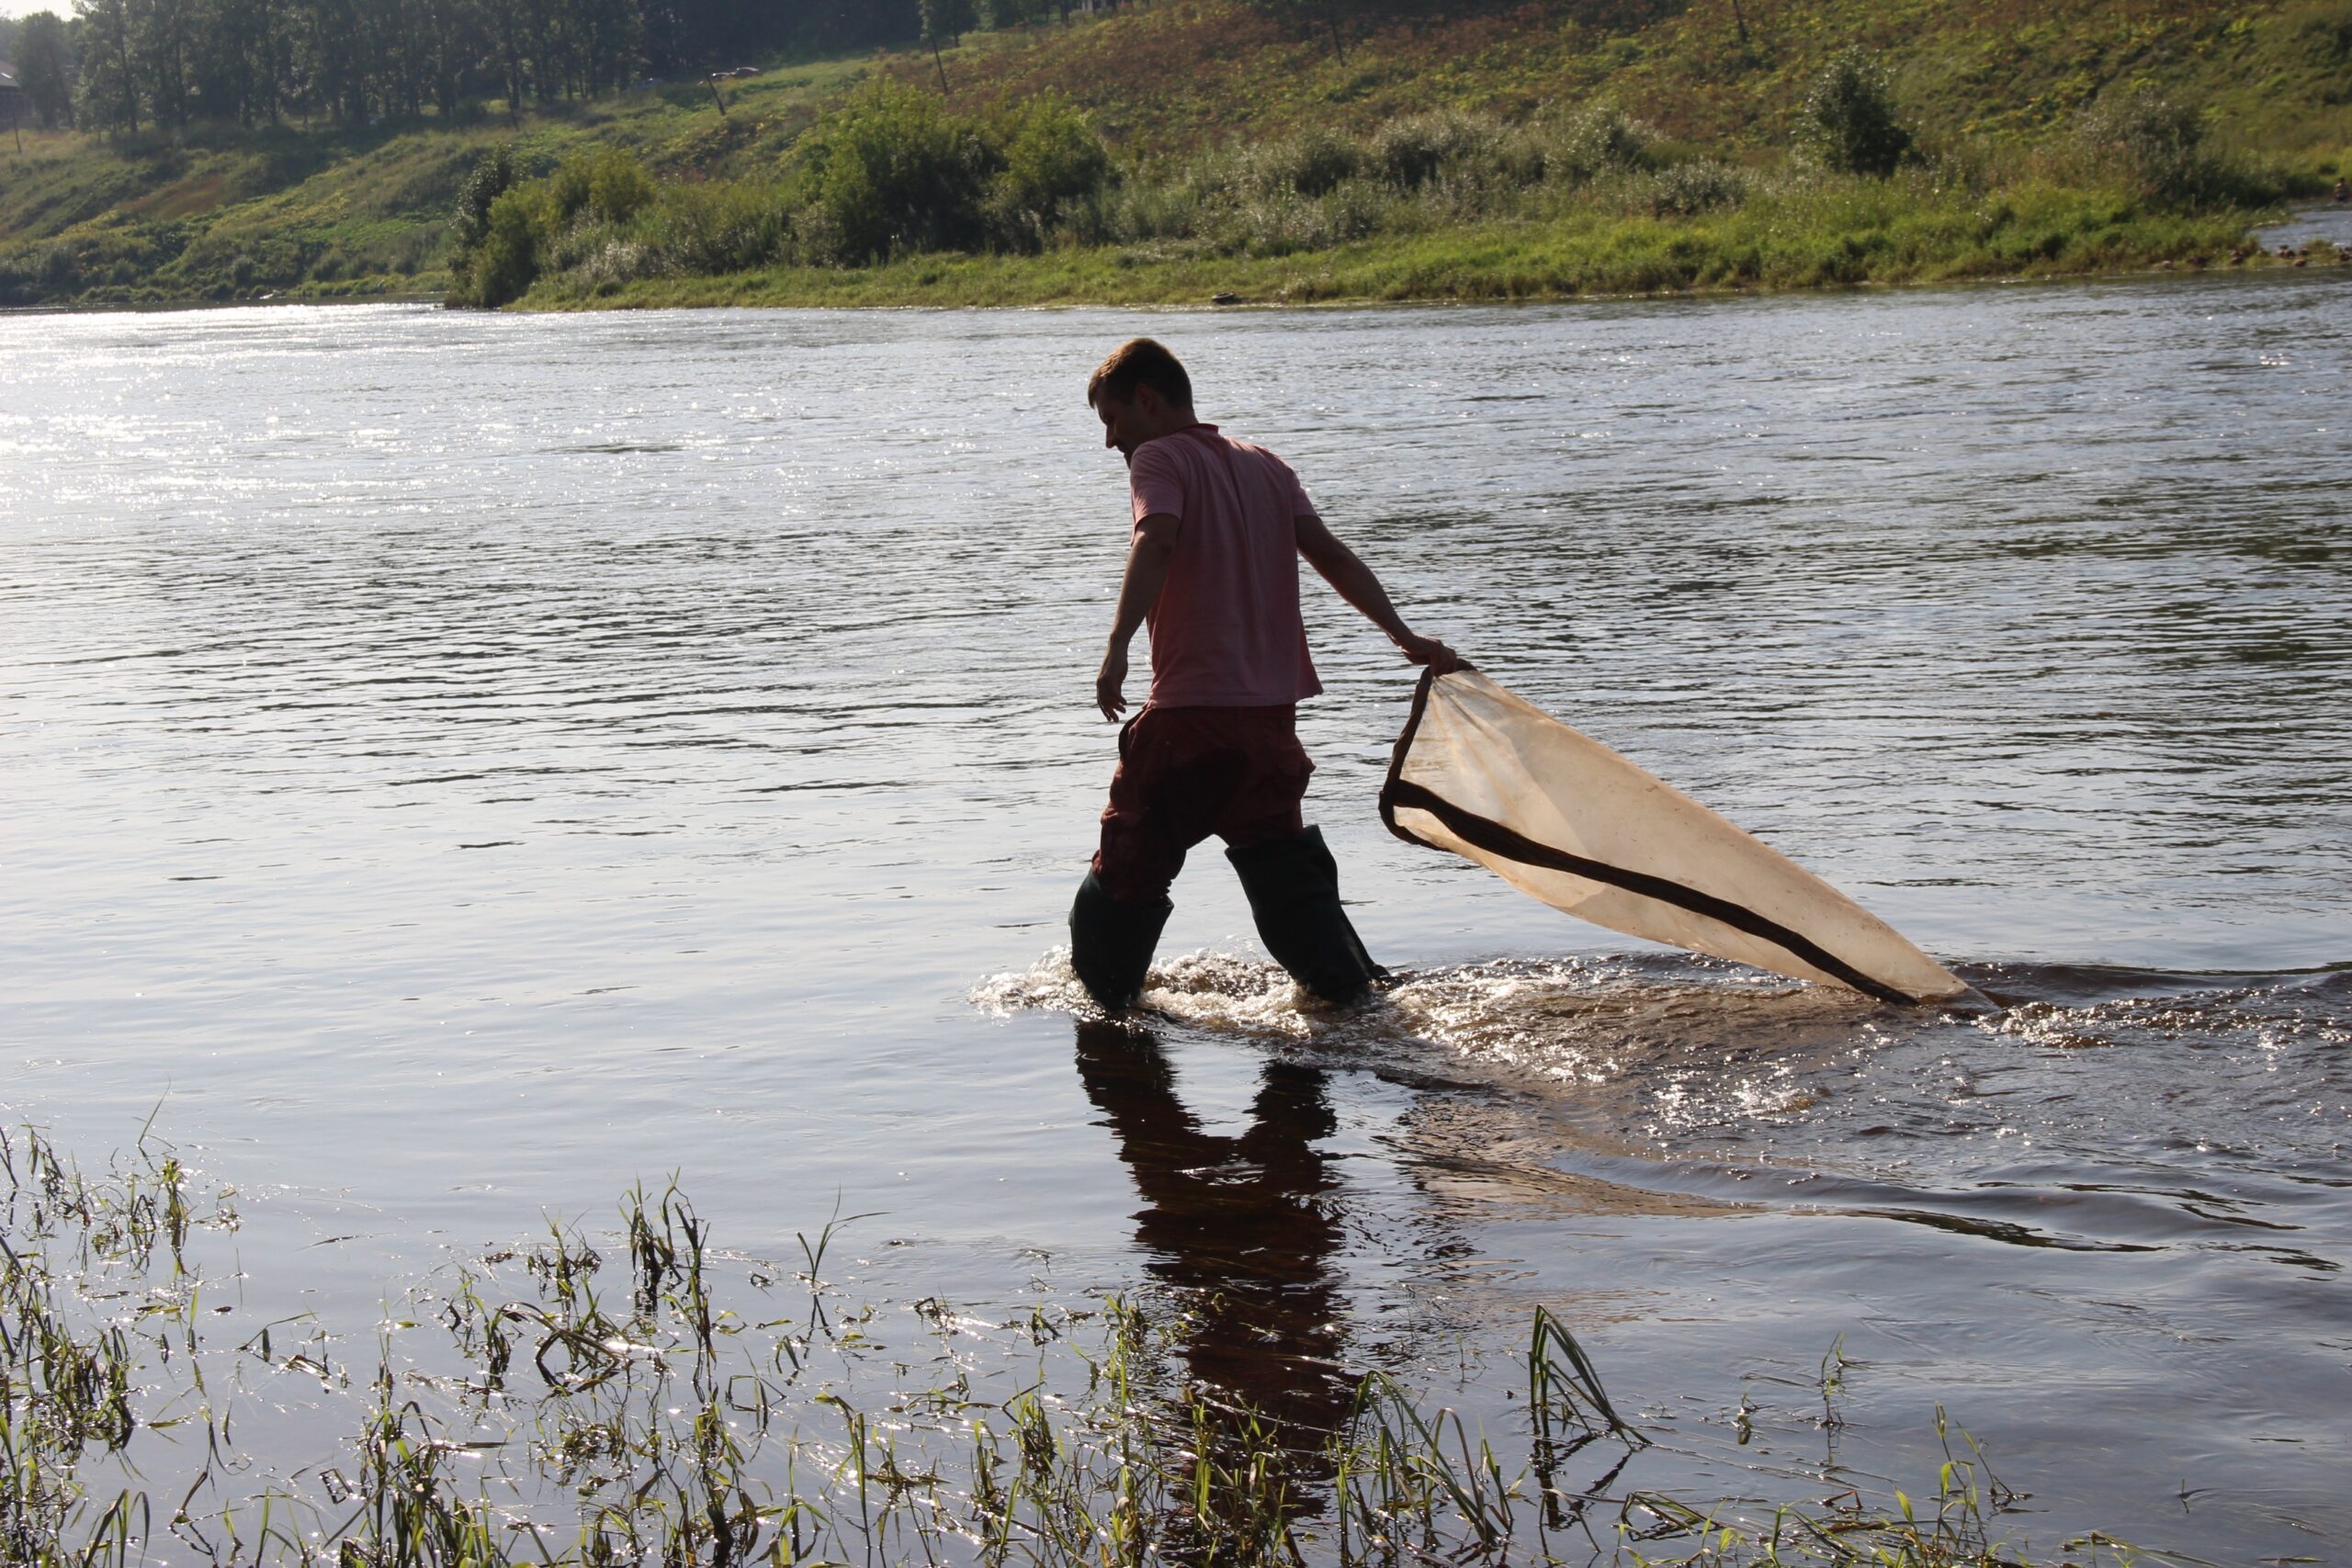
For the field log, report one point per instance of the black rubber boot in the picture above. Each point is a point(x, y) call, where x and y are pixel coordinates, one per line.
point(1294, 888)
point(1110, 942)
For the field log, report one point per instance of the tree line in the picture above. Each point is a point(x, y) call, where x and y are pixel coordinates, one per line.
point(131, 65)
point(124, 66)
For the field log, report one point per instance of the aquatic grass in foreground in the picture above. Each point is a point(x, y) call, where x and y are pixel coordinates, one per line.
point(592, 1412)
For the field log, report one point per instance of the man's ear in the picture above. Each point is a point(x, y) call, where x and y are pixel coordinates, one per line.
point(1147, 402)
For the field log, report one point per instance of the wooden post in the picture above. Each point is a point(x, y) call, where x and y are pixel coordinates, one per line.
point(712, 83)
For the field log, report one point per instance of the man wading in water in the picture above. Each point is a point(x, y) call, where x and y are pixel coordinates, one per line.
point(1219, 526)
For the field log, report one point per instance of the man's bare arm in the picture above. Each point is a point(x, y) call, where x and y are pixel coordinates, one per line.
point(1354, 582)
point(1147, 557)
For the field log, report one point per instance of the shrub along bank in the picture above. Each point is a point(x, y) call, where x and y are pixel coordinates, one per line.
point(895, 200)
point(891, 173)
point(1895, 237)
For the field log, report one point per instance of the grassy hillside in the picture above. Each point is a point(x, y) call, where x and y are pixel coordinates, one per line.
point(343, 212)
point(2275, 78)
point(1994, 91)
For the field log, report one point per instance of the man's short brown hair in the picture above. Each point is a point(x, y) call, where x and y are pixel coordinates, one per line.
point(1140, 362)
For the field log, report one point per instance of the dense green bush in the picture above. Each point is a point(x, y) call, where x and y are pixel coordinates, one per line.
point(2156, 149)
point(608, 186)
point(1312, 163)
point(491, 178)
point(718, 228)
point(1595, 141)
point(893, 172)
point(1411, 151)
point(896, 172)
point(601, 219)
point(1680, 190)
point(506, 263)
point(1849, 119)
point(59, 272)
point(1286, 220)
point(1052, 161)
point(615, 261)
point(1142, 208)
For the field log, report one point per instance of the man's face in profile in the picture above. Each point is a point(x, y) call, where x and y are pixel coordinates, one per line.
point(1122, 421)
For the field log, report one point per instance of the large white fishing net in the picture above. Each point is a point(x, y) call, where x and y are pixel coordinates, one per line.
point(1557, 814)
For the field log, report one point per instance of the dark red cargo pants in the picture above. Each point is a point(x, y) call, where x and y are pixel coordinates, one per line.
point(1185, 773)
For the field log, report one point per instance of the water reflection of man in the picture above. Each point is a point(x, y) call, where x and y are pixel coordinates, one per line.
point(1244, 1224)
point(1213, 565)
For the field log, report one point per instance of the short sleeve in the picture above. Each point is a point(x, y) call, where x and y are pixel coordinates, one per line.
point(1292, 492)
point(1155, 482)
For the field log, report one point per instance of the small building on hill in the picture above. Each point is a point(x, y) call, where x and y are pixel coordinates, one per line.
point(12, 97)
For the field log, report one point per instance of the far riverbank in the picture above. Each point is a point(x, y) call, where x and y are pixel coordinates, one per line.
point(2043, 236)
point(1627, 258)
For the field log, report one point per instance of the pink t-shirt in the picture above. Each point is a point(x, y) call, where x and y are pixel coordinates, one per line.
point(1226, 631)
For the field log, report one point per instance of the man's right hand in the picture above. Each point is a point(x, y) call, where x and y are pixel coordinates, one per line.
point(1429, 651)
point(1110, 684)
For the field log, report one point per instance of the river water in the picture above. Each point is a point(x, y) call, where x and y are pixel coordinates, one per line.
point(459, 765)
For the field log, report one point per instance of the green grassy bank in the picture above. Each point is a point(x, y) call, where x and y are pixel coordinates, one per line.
point(1865, 238)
